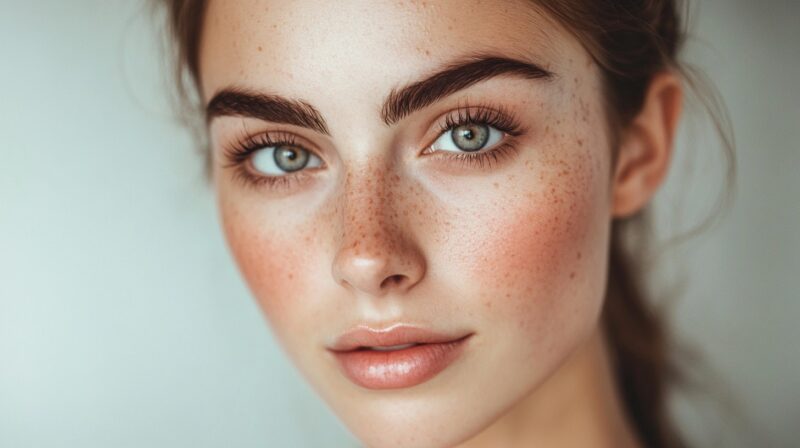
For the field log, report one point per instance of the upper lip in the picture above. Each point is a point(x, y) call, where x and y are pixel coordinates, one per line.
point(398, 334)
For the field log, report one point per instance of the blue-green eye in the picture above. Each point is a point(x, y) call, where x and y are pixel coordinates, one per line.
point(282, 159)
point(469, 137)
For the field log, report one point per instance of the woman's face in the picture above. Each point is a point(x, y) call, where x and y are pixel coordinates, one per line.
point(403, 172)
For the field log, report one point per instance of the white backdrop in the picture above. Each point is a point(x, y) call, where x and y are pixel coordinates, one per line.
point(123, 322)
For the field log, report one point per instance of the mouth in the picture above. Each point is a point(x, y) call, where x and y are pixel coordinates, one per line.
point(397, 357)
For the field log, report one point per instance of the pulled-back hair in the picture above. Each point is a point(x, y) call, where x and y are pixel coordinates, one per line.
point(631, 41)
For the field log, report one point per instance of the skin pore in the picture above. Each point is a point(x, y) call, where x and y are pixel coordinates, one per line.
point(508, 243)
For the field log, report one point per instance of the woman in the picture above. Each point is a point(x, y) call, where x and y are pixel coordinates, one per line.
point(430, 201)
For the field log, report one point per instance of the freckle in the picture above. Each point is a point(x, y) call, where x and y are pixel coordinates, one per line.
point(572, 275)
point(579, 255)
point(496, 185)
point(260, 49)
point(580, 142)
point(291, 276)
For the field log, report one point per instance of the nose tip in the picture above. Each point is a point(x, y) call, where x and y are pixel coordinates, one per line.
point(377, 252)
point(378, 273)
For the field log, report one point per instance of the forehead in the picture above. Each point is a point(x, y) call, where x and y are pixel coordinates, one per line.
point(362, 49)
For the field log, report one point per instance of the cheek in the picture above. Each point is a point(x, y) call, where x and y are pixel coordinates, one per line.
point(541, 257)
point(270, 259)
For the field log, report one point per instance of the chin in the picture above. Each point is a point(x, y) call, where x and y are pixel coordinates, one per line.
point(409, 422)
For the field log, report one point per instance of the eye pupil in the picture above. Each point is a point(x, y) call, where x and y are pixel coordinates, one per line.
point(471, 137)
point(291, 158)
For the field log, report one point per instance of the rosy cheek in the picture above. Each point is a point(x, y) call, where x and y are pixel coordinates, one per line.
point(536, 257)
point(268, 263)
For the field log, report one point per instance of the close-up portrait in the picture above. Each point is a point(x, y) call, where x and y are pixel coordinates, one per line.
point(406, 223)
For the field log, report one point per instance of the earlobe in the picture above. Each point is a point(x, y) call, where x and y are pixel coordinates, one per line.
point(645, 149)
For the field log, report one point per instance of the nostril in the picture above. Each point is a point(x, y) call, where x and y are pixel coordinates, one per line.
point(392, 280)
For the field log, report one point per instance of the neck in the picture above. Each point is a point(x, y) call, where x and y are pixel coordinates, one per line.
point(578, 406)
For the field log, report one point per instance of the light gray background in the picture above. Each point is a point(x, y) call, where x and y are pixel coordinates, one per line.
point(123, 322)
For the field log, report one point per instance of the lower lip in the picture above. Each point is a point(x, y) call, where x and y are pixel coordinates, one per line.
point(399, 368)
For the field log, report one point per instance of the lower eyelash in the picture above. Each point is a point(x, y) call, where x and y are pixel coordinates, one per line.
point(238, 157)
point(497, 117)
point(482, 160)
point(238, 154)
point(280, 183)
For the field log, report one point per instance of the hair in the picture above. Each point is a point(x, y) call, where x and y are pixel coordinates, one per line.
point(631, 41)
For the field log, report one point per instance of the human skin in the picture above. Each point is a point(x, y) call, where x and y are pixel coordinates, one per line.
point(382, 232)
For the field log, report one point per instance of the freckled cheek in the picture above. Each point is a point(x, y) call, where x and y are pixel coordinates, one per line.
point(269, 260)
point(538, 264)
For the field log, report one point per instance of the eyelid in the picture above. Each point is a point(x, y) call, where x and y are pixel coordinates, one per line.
point(239, 152)
point(238, 157)
point(258, 157)
point(498, 116)
point(492, 141)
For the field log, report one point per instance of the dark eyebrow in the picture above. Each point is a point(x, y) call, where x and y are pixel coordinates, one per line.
point(246, 103)
point(241, 102)
point(454, 77)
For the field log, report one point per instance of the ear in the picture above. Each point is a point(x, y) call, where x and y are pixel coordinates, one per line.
point(646, 146)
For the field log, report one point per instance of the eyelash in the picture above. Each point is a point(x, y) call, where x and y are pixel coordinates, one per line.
point(238, 154)
point(499, 118)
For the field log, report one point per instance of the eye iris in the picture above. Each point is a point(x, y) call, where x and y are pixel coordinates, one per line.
point(290, 158)
point(471, 137)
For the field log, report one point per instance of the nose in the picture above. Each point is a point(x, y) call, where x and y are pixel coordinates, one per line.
point(377, 254)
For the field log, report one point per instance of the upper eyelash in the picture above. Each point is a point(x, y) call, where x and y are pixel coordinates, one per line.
point(239, 152)
point(499, 118)
point(243, 147)
point(495, 117)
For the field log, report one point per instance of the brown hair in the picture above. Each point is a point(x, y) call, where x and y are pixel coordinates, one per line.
point(631, 41)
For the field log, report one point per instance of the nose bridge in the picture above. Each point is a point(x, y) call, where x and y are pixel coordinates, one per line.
point(368, 210)
point(376, 255)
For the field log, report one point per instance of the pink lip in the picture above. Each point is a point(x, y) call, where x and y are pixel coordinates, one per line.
point(395, 369)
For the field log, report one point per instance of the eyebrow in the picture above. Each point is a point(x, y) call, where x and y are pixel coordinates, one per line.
point(240, 102)
point(454, 77)
point(400, 102)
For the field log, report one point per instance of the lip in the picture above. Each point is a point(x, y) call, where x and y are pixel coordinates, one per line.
point(395, 368)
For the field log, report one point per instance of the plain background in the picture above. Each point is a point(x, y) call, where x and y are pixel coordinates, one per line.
point(124, 323)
